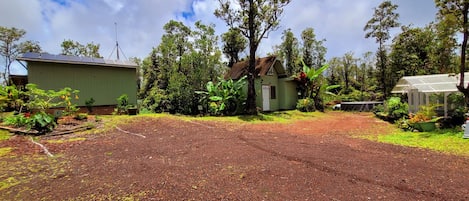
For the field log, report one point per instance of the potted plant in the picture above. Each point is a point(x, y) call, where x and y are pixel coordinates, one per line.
point(424, 120)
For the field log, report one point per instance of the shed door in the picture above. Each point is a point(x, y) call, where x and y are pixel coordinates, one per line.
point(265, 97)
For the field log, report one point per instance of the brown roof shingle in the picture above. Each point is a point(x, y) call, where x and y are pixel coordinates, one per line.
point(263, 66)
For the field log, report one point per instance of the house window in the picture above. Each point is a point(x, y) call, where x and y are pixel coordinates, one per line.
point(273, 95)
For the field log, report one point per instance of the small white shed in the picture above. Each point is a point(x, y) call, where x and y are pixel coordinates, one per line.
point(419, 88)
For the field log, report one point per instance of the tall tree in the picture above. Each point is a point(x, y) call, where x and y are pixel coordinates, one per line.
point(255, 19)
point(410, 53)
point(384, 18)
point(74, 48)
point(314, 51)
point(457, 10)
point(288, 52)
point(10, 47)
point(233, 44)
point(206, 56)
point(349, 65)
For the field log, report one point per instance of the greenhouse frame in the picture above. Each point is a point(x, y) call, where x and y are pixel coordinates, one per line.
point(420, 88)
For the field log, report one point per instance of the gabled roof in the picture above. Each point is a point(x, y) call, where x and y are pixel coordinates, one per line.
point(263, 65)
point(65, 59)
point(429, 83)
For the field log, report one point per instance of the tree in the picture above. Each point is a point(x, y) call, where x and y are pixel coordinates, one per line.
point(233, 44)
point(384, 18)
point(255, 19)
point(288, 52)
point(349, 64)
point(10, 47)
point(314, 51)
point(183, 62)
point(74, 48)
point(457, 11)
point(410, 53)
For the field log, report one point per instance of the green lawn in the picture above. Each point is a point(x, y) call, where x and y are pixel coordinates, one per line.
point(447, 141)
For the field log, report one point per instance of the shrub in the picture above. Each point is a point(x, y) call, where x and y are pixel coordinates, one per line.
point(392, 110)
point(89, 104)
point(224, 97)
point(122, 104)
point(43, 122)
point(305, 105)
point(81, 116)
point(17, 120)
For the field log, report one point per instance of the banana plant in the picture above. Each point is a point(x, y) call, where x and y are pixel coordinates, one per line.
point(225, 96)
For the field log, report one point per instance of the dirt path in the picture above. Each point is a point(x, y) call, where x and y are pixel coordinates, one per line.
point(314, 159)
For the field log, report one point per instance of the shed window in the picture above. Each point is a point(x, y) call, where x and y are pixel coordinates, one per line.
point(273, 95)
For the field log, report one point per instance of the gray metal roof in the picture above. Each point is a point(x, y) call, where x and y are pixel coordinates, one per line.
point(45, 57)
point(436, 83)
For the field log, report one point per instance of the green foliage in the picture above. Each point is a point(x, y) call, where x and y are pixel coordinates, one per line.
point(11, 98)
point(74, 48)
point(41, 100)
point(233, 44)
point(81, 116)
point(17, 120)
point(122, 104)
point(312, 85)
point(305, 105)
point(226, 97)
point(11, 48)
point(378, 27)
point(89, 104)
point(184, 62)
point(392, 110)
point(42, 122)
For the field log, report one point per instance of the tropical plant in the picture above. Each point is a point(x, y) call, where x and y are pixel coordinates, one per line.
point(42, 122)
point(305, 105)
point(310, 86)
point(392, 110)
point(224, 97)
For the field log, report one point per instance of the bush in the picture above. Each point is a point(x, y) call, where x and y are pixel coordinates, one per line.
point(17, 120)
point(305, 105)
point(42, 122)
point(89, 104)
point(122, 104)
point(392, 110)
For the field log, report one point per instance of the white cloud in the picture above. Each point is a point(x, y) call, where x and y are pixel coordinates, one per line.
point(140, 22)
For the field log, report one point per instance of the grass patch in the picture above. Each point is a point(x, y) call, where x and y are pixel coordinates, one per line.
point(4, 151)
point(4, 135)
point(447, 141)
point(67, 140)
point(8, 182)
point(277, 117)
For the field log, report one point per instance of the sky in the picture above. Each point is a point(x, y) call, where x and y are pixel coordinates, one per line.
point(140, 22)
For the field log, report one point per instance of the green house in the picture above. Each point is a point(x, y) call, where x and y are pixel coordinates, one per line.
point(274, 90)
point(100, 79)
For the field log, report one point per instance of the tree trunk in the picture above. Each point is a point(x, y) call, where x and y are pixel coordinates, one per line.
point(251, 98)
point(462, 68)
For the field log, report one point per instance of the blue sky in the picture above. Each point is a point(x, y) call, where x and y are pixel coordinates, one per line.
point(140, 22)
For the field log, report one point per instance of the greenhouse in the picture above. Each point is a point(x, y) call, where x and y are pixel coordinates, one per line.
point(420, 90)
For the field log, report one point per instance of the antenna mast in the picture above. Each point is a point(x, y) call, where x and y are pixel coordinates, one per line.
point(117, 43)
point(117, 48)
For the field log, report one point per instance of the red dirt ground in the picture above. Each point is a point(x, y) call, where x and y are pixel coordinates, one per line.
point(316, 159)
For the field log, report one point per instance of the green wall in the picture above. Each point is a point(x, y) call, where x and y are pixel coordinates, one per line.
point(103, 84)
point(270, 80)
point(287, 94)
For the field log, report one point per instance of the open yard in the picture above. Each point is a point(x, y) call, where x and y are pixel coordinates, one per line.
point(172, 158)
